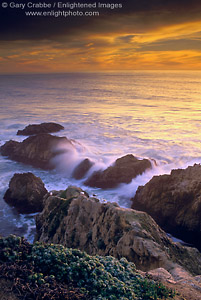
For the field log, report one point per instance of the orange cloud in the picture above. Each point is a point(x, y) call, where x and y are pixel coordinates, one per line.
point(111, 51)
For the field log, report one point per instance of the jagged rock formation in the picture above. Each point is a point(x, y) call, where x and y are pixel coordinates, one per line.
point(174, 201)
point(32, 129)
point(74, 219)
point(26, 192)
point(123, 171)
point(37, 150)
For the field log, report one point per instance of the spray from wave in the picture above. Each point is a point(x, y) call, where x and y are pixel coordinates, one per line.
point(70, 158)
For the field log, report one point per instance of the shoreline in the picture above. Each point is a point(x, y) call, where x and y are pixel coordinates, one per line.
point(120, 178)
point(122, 227)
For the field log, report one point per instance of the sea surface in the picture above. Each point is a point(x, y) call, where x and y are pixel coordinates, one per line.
point(152, 114)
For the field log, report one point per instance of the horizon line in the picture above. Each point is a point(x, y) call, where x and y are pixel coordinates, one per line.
point(100, 71)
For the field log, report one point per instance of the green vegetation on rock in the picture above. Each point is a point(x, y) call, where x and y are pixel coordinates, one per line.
point(96, 277)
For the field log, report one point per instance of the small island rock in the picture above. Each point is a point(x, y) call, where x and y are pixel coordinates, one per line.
point(81, 170)
point(123, 171)
point(37, 150)
point(26, 192)
point(40, 128)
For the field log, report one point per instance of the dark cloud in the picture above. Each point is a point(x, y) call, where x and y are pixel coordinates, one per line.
point(127, 38)
point(173, 45)
point(133, 15)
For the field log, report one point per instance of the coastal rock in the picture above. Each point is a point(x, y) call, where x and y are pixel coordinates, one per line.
point(174, 201)
point(81, 170)
point(37, 150)
point(185, 285)
point(26, 192)
point(40, 128)
point(8, 148)
point(122, 171)
point(74, 219)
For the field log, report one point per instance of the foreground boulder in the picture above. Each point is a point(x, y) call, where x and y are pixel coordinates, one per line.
point(174, 201)
point(81, 170)
point(123, 171)
point(26, 192)
point(40, 128)
point(37, 150)
point(74, 219)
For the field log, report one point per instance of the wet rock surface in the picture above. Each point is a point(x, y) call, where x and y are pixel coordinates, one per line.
point(25, 193)
point(122, 171)
point(174, 201)
point(81, 170)
point(37, 150)
point(33, 129)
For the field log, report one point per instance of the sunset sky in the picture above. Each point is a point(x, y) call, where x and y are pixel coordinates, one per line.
point(142, 35)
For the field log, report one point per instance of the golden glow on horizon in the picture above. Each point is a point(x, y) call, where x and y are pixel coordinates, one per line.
point(112, 51)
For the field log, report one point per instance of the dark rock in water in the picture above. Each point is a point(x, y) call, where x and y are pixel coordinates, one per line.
point(37, 150)
point(123, 171)
point(26, 192)
point(81, 170)
point(9, 147)
point(174, 201)
point(40, 128)
point(75, 220)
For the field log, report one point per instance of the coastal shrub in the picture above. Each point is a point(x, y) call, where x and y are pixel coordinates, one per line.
point(96, 277)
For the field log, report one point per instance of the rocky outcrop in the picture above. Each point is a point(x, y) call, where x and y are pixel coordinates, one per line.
point(81, 170)
point(184, 284)
point(26, 192)
point(123, 171)
point(74, 219)
point(37, 150)
point(174, 201)
point(40, 128)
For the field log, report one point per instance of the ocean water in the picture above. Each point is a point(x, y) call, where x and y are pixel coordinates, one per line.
point(152, 114)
